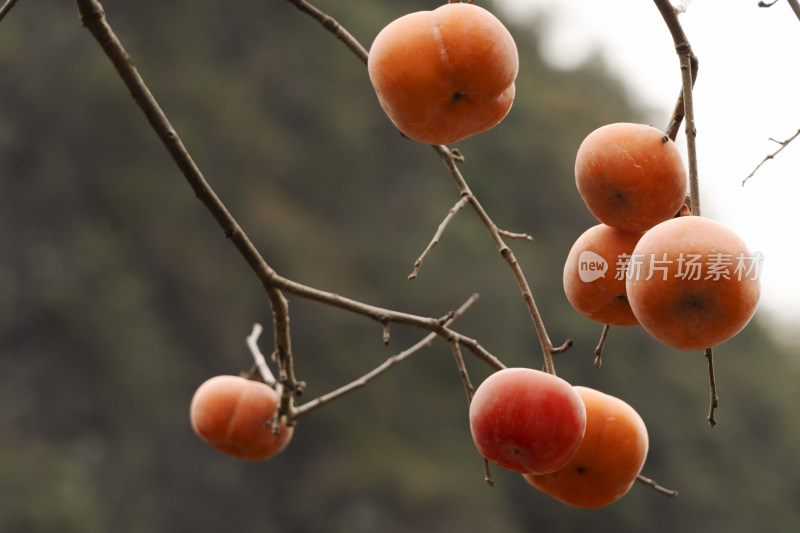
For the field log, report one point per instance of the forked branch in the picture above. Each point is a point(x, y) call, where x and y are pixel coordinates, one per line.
point(93, 18)
point(450, 159)
point(782, 144)
point(394, 360)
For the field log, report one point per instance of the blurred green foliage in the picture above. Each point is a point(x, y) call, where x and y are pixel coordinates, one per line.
point(119, 295)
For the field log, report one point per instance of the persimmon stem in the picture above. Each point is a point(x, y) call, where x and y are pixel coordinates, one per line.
point(487, 473)
point(655, 486)
point(714, 402)
point(598, 351)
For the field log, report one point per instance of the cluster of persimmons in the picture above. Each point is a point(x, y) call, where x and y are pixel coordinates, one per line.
point(446, 74)
point(688, 280)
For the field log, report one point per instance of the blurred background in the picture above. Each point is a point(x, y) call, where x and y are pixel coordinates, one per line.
point(119, 295)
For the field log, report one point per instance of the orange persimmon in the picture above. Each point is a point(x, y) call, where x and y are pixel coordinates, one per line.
point(595, 272)
point(608, 460)
point(234, 415)
point(446, 74)
point(631, 176)
point(692, 283)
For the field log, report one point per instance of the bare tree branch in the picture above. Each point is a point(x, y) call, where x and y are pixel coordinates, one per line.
point(688, 64)
point(334, 27)
point(795, 5)
point(450, 158)
point(462, 371)
point(4, 10)
point(772, 155)
point(394, 360)
point(93, 18)
point(450, 161)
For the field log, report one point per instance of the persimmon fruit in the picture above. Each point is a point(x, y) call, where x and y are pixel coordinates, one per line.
point(608, 460)
point(234, 415)
point(446, 74)
point(693, 283)
point(526, 420)
point(631, 176)
point(594, 275)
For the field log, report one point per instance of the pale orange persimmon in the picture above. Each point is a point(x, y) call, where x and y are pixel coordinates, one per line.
point(446, 74)
point(608, 460)
point(693, 283)
point(234, 415)
point(631, 176)
point(594, 275)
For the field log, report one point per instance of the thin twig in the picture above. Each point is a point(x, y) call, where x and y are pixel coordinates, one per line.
point(714, 402)
point(598, 352)
point(334, 27)
point(547, 346)
point(772, 155)
point(6, 8)
point(464, 200)
point(258, 357)
point(379, 370)
point(462, 370)
point(517, 236)
point(655, 486)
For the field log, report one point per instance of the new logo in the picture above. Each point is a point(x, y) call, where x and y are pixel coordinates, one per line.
point(591, 266)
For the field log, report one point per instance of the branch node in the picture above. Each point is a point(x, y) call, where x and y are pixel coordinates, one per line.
point(386, 331)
